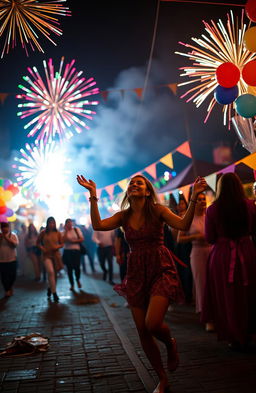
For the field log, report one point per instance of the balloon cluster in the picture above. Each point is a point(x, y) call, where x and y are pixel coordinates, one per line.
point(7, 191)
point(228, 74)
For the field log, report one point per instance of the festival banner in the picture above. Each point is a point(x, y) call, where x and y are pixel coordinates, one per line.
point(151, 170)
point(211, 181)
point(185, 149)
point(167, 160)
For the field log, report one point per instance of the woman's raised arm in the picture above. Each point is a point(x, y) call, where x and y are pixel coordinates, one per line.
point(183, 224)
point(97, 223)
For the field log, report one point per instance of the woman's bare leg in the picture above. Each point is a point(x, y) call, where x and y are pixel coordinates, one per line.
point(150, 346)
point(156, 311)
point(36, 265)
point(50, 274)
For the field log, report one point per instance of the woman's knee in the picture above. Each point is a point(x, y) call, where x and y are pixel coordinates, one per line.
point(153, 326)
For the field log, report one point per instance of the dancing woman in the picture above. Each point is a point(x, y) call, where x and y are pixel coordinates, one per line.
point(151, 281)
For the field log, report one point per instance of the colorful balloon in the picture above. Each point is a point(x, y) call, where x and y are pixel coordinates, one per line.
point(7, 204)
point(251, 90)
point(13, 189)
point(250, 10)
point(7, 183)
point(7, 196)
point(224, 95)
point(3, 218)
point(249, 73)
point(9, 212)
point(246, 105)
point(250, 39)
point(3, 209)
point(227, 74)
point(12, 218)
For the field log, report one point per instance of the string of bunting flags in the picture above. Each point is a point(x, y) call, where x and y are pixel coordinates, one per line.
point(249, 161)
point(114, 189)
point(105, 93)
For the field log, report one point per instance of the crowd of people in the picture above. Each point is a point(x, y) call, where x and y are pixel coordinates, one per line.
point(202, 256)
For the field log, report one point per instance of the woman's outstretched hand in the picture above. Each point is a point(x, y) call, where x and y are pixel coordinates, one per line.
point(88, 184)
point(199, 185)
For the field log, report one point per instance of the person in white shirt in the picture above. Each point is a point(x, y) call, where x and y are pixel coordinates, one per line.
point(72, 238)
point(105, 243)
point(8, 258)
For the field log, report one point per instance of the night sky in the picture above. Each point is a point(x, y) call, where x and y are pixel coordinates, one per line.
point(111, 42)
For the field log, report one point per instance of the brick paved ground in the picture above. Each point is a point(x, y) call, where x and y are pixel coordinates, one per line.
point(94, 346)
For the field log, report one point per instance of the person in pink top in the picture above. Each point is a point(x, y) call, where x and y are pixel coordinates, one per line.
point(151, 281)
point(230, 291)
point(200, 249)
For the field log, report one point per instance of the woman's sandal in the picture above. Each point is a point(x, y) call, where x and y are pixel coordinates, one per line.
point(173, 356)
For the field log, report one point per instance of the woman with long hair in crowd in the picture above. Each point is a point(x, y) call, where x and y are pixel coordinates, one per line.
point(50, 242)
point(151, 281)
point(183, 251)
point(230, 291)
point(199, 253)
point(72, 238)
point(32, 250)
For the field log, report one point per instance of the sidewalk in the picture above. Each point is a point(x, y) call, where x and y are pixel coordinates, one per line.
point(94, 346)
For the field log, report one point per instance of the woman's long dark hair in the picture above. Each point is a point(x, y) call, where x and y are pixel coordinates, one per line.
point(150, 202)
point(32, 229)
point(47, 228)
point(231, 206)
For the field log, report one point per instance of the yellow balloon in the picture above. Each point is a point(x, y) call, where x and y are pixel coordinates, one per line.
point(7, 196)
point(251, 90)
point(250, 39)
point(12, 218)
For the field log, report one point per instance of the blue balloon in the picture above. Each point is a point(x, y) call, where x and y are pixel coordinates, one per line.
point(225, 95)
point(246, 105)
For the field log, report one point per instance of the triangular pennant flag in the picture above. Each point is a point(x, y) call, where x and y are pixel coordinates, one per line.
point(173, 87)
point(151, 169)
point(138, 91)
point(104, 95)
point(228, 169)
point(110, 189)
point(167, 160)
point(123, 184)
point(185, 149)
point(254, 172)
point(185, 191)
point(250, 161)
point(122, 93)
point(99, 191)
point(211, 181)
point(161, 198)
point(176, 195)
point(3, 97)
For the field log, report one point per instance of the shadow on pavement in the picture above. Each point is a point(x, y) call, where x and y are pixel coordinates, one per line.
point(82, 297)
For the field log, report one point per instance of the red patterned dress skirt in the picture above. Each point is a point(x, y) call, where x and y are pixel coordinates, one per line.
point(151, 269)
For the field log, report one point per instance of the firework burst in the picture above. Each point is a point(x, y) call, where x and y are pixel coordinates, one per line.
point(41, 168)
point(58, 103)
point(21, 18)
point(223, 44)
